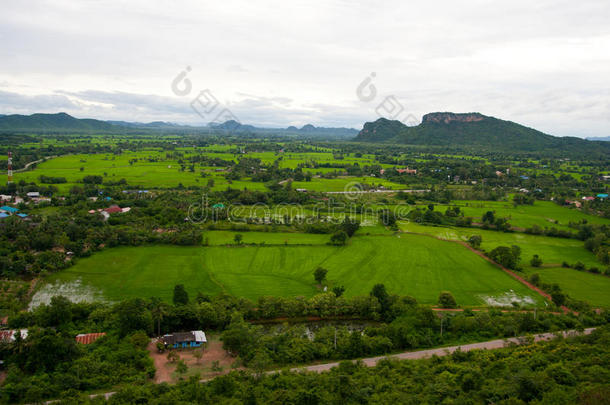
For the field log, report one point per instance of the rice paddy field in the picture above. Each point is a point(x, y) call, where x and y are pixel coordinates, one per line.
point(414, 265)
point(593, 288)
point(154, 169)
point(552, 250)
point(545, 214)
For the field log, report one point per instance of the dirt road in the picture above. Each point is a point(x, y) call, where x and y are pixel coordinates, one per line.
point(443, 351)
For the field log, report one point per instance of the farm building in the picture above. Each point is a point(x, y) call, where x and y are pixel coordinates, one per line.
point(9, 210)
point(113, 209)
point(8, 336)
point(177, 340)
point(88, 338)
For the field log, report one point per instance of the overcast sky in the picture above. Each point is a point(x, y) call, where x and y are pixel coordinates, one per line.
point(545, 64)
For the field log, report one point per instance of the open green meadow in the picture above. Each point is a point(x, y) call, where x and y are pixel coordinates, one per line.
point(264, 238)
point(551, 250)
point(545, 214)
point(158, 169)
point(593, 288)
point(580, 285)
point(407, 264)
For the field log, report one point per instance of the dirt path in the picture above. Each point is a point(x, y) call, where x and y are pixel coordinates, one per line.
point(27, 165)
point(443, 351)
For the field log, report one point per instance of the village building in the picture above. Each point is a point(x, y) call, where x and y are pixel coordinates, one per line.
point(9, 336)
point(178, 340)
point(88, 338)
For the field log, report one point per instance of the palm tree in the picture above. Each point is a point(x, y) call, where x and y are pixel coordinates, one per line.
point(159, 310)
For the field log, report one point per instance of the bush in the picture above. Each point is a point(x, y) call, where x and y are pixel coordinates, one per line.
point(475, 241)
point(536, 261)
point(446, 300)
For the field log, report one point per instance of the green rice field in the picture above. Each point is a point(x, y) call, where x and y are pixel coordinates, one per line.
point(407, 264)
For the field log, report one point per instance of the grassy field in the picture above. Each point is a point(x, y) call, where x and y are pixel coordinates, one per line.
point(407, 264)
point(154, 169)
point(267, 238)
point(545, 214)
point(551, 250)
point(592, 288)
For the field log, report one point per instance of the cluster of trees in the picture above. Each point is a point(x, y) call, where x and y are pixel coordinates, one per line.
point(49, 363)
point(508, 257)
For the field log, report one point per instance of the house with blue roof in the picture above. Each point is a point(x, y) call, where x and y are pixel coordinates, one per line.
point(603, 195)
point(9, 210)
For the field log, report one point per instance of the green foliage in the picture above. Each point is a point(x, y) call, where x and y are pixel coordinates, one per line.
point(536, 261)
point(506, 256)
point(475, 241)
point(320, 274)
point(181, 297)
point(446, 300)
point(338, 238)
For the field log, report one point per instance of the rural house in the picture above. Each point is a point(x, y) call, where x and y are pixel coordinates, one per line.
point(88, 338)
point(8, 336)
point(177, 340)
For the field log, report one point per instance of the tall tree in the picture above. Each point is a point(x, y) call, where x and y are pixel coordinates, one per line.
point(181, 297)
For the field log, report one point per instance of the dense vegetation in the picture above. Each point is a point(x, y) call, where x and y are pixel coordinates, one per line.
point(49, 363)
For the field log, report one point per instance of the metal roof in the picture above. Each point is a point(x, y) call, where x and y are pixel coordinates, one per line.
point(179, 337)
point(8, 336)
point(87, 338)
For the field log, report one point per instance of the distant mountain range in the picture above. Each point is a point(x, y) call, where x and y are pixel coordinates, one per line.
point(62, 122)
point(467, 131)
point(599, 138)
point(51, 123)
point(472, 130)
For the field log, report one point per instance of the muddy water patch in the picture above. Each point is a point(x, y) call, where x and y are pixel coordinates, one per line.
point(75, 291)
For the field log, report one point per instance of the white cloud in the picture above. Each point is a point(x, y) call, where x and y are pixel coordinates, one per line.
point(545, 64)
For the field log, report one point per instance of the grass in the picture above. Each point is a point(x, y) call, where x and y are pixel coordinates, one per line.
point(551, 250)
point(407, 264)
point(584, 286)
point(154, 169)
point(267, 238)
point(580, 285)
point(545, 214)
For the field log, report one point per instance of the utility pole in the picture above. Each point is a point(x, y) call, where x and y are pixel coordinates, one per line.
point(335, 337)
point(10, 167)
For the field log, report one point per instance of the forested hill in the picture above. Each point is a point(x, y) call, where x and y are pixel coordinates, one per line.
point(52, 123)
point(474, 130)
point(64, 123)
